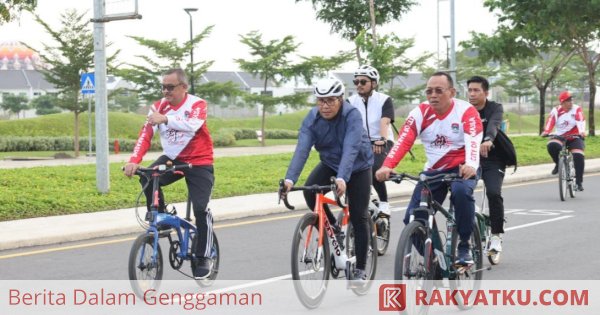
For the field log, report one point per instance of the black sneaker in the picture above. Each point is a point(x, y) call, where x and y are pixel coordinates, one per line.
point(464, 254)
point(202, 267)
point(578, 187)
point(555, 170)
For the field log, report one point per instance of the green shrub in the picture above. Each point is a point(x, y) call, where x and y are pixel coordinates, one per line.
point(223, 138)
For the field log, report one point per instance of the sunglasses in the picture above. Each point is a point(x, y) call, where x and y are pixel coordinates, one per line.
point(169, 87)
point(436, 90)
point(362, 82)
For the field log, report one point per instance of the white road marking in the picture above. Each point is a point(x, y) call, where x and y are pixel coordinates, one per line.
point(289, 276)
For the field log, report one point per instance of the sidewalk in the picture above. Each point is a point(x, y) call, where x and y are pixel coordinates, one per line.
point(57, 229)
point(150, 156)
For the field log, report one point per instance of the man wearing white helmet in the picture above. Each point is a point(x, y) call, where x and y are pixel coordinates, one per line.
point(333, 127)
point(377, 111)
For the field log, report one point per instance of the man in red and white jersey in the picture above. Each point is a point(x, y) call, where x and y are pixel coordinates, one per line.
point(180, 120)
point(570, 126)
point(451, 132)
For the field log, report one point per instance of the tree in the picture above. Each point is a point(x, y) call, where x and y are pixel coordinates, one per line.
point(14, 103)
point(349, 18)
point(272, 65)
point(10, 8)
point(167, 54)
point(123, 100)
point(508, 45)
point(45, 105)
point(562, 23)
point(516, 80)
point(388, 55)
point(73, 55)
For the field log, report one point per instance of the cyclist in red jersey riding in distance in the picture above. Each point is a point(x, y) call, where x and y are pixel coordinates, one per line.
point(569, 121)
point(180, 120)
point(451, 131)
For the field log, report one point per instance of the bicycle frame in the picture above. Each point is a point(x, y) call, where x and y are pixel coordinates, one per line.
point(324, 225)
point(157, 220)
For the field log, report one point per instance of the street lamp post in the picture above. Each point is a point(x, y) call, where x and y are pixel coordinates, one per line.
point(188, 10)
point(447, 52)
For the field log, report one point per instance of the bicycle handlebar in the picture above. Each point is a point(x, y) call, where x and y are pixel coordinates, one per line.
point(160, 169)
point(282, 195)
point(562, 138)
point(398, 178)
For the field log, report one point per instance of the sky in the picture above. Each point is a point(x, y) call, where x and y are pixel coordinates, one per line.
point(165, 20)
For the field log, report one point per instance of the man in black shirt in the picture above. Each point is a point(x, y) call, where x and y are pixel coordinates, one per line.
point(492, 166)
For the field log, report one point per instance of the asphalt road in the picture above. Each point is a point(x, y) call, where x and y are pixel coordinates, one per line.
point(545, 239)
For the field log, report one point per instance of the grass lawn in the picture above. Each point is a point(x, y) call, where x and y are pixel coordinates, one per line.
point(46, 191)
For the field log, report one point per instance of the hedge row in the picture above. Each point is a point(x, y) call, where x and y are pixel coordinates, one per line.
point(224, 137)
point(10, 144)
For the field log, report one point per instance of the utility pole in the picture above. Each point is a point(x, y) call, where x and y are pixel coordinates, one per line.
point(188, 11)
point(102, 170)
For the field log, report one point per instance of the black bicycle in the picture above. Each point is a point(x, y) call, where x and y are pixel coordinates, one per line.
point(566, 168)
point(422, 255)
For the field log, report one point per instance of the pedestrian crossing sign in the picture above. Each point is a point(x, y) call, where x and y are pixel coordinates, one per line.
point(88, 83)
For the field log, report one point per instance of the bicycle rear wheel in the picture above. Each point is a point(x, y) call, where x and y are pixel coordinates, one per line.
point(562, 178)
point(468, 279)
point(215, 255)
point(144, 274)
point(371, 266)
point(382, 226)
point(310, 264)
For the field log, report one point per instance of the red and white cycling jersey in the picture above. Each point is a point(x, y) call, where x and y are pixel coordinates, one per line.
point(449, 140)
point(184, 137)
point(567, 123)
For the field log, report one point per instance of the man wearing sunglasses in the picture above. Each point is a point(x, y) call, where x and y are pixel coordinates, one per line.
point(450, 131)
point(377, 111)
point(180, 120)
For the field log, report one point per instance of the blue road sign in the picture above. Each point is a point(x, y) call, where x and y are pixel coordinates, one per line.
point(88, 83)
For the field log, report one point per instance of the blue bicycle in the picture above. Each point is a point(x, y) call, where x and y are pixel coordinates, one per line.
point(145, 257)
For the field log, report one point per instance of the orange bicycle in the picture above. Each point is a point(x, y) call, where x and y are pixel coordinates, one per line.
point(314, 239)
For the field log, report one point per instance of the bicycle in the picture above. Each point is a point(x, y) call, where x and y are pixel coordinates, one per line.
point(422, 255)
point(485, 230)
point(381, 223)
point(566, 169)
point(314, 238)
point(145, 258)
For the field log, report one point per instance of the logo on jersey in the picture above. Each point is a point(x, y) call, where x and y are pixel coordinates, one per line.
point(454, 127)
point(440, 142)
point(174, 136)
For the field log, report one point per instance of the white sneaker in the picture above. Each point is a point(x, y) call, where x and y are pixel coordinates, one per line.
point(496, 243)
point(384, 208)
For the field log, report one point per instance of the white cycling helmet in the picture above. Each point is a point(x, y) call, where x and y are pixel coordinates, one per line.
point(329, 87)
point(367, 71)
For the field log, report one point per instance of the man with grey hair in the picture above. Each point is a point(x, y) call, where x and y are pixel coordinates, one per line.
point(180, 119)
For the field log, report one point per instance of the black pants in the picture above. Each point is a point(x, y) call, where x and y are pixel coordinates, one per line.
point(200, 181)
point(380, 187)
point(492, 173)
point(358, 190)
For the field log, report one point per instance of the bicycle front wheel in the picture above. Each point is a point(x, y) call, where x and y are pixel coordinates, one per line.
point(411, 264)
point(468, 278)
point(371, 266)
point(382, 226)
point(562, 178)
point(144, 272)
point(310, 263)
